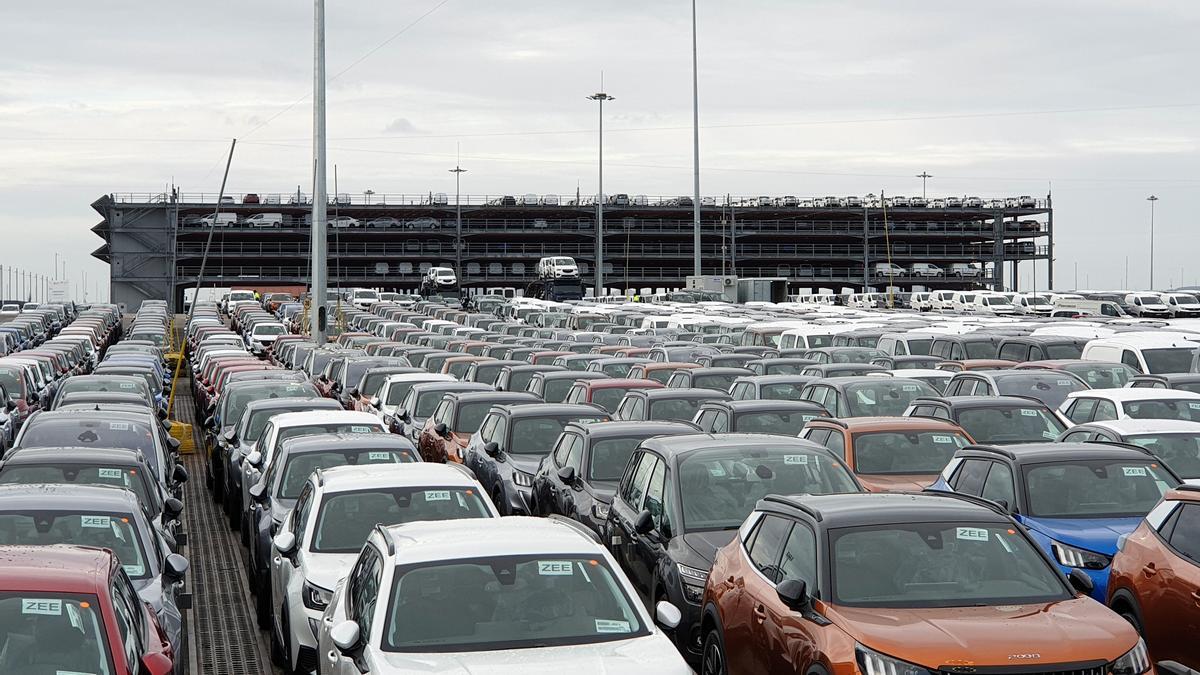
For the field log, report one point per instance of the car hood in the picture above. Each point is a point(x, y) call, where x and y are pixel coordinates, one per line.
point(649, 654)
point(526, 463)
point(705, 544)
point(1052, 633)
point(327, 569)
point(604, 490)
point(908, 482)
point(1093, 534)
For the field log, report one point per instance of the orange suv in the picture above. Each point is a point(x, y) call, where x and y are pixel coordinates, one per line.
point(1155, 577)
point(890, 453)
point(902, 584)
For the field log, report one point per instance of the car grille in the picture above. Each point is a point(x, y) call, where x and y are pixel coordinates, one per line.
point(1084, 668)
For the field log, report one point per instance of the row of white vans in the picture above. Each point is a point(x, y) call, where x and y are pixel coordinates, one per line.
point(1145, 304)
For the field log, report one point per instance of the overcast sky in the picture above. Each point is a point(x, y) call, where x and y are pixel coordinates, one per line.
point(1092, 97)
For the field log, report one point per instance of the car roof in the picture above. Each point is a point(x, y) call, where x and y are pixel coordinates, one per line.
point(422, 376)
point(295, 419)
point(687, 443)
point(73, 455)
point(982, 401)
point(540, 409)
point(482, 537)
point(59, 568)
point(568, 374)
point(768, 404)
point(291, 402)
point(622, 382)
point(415, 474)
point(881, 508)
point(1051, 451)
point(618, 428)
point(485, 396)
point(867, 424)
point(1143, 426)
point(680, 392)
point(67, 497)
point(720, 370)
point(1183, 493)
point(326, 442)
point(1123, 394)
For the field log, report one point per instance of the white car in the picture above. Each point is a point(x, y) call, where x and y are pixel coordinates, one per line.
point(320, 538)
point(263, 335)
point(264, 220)
point(1181, 304)
point(219, 220)
point(926, 270)
point(395, 388)
point(1125, 403)
point(441, 277)
point(1175, 442)
point(363, 298)
point(1032, 304)
point(342, 222)
point(528, 595)
point(9, 311)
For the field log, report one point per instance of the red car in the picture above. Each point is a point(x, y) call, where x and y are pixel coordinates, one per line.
point(68, 609)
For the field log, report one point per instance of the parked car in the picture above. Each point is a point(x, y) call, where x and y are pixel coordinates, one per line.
point(890, 454)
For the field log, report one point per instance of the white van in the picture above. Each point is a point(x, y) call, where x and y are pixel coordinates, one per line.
point(812, 337)
point(926, 270)
point(1181, 304)
point(557, 267)
point(1153, 353)
point(922, 301)
point(264, 220)
point(1035, 304)
point(1147, 304)
point(219, 220)
point(1074, 306)
point(993, 303)
point(965, 270)
point(905, 344)
point(963, 301)
point(889, 270)
point(942, 301)
point(441, 277)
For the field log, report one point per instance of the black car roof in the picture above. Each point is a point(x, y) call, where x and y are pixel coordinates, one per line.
point(718, 370)
point(679, 392)
point(1024, 453)
point(960, 402)
point(688, 443)
point(620, 428)
point(572, 374)
point(779, 379)
point(881, 508)
point(769, 405)
point(67, 497)
point(544, 409)
point(73, 455)
point(499, 397)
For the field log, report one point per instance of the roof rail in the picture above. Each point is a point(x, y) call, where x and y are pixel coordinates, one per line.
point(831, 420)
point(788, 501)
point(1127, 446)
point(1028, 398)
point(387, 538)
point(929, 399)
point(575, 525)
point(1187, 488)
point(320, 477)
point(978, 501)
point(996, 450)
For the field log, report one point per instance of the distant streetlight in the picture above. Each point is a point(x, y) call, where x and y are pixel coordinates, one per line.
point(601, 97)
point(695, 151)
point(458, 171)
point(367, 196)
point(1151, 199)
point(924, 175)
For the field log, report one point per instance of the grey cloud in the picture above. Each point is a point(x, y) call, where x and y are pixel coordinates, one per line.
point(401, 125)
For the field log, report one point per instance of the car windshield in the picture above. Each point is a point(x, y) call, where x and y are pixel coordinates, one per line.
point(259, 418)
point(681, 409)
point(10, 380)
point(115, 532)
point(1064, 351)
point(784, 391)
point(269, 329)
point(346, 518)
point(1010, 425)
point(661, 375)
point(366, 295)
point(49, 632)
point(1102, 377)
point(509, 602)
point(1082, 488)
point(783, 368)
point(980, 350)
point(1171, 359)
point(1049, 389)
point(1179, 451)
point(372, 382)
point(241, 295)
point(940, 565)
point(108, 433)
point(718, 382)
point(609, 456)
point(719, 486)
point(235, 399)
point(398, 391)
point(609, 397)
point(300, 466)
point(75, 474)
point(519, 380)
point(1036, 300)
point(771, 422)
point(884, 398)
point(535, 435)
point(855, 355)
point(93, 384)
point(996, 301)
point(898, 453)
point(329, 428)
point(1163, 409)
point(556, 390)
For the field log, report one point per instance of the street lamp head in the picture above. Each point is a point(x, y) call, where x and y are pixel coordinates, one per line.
point(601, 96)
point(1151, 198)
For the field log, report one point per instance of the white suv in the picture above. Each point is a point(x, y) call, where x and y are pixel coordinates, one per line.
point(536, 595)
point(322, 535)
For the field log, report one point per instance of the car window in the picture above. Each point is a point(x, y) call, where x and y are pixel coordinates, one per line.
point(1081, 410)
point(767, 545)
point(818, 435)
point(999, 485)
point(1130, 359)
point(575, 454)
point(1105, 410)
point(127, 627)
point(1014, 352)
point(971, 476)
point(720, 422)
point(366, 594)
point(655, 501)
point(500, 431)
point(800, 557)
point(1185, 536)
point(636, 487)
point(836, 443)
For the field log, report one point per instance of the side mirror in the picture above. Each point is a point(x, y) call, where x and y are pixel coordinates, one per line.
point(33, 398)
point(567, 475)
point(1080, 581)
point(353, 392)
point(254, 458)
point(404, 415)
point(230, 437)
point(155, 663)
point(285, 543)
point(258, 492)
point(375, 403)
point(345, 635)
point(173, 443)
point(492, 448)
point(180, 474)
point(175, 567)
point(667, 615)
point(210, 421)
point(644, 522)
point(1003, 503)
point(442, 429)
point(172, 509)
point(10, 405)
point(793, 593)
point(1174, 668)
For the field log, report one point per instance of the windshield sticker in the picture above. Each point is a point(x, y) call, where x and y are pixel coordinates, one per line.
point(360, 429)
point(100, 522)
point(1048, 434)
point(942, 439)
point(1063, 383)
point(118, 426)
point(379, 456)
point(437, 495)
point(972, 534)
point(795, 459)
point(43, 606)
point(1134, 471)
point(555, 568)
point(132, 570)
point(1194, 406)
point(111, 473)
point(76, 620)
point(611, 626)
point(716, 470)
point(1029, 413)
point(126, 385)
point(908, 387)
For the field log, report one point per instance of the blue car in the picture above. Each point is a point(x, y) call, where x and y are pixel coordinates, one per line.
point(1075, 499)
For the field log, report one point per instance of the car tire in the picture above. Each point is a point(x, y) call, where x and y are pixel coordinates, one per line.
point(712, 655)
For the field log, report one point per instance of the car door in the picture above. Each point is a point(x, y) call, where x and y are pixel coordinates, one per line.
point(652, 546)
point(1176, 614)
point(744, 625)
point(563, 496)
point(546, 481)
point(363, 600)
point(786, 635)
point(998, 486)
point(282, 568)
point(1105, 410)
point(624, 512)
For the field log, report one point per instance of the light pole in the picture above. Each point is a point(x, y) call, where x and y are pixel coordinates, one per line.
point(1151, 199)
point(601, 97)
point(924, 175)
point(695, 152)
point(316, 301)
point(367, 196)
point(458, 171)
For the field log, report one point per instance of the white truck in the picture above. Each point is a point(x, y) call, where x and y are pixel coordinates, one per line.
point(557, 267)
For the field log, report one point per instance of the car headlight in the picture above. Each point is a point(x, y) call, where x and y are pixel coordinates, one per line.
point(600, 510)
point(1077, 557)
point(693, 582)
point(315, 597)
point(1135, 661)
point(871, 662)
point(522, 479)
